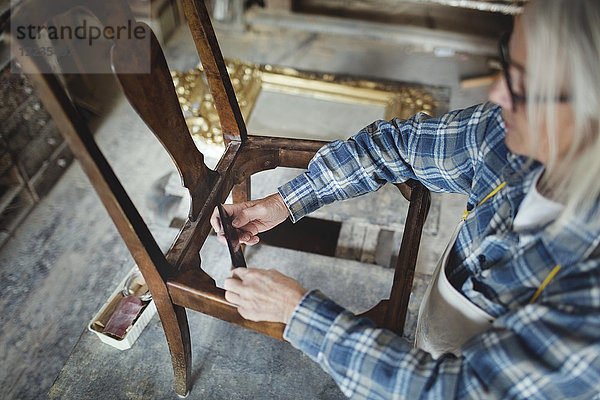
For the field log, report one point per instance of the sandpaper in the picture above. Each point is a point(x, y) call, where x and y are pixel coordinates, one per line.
point(123, 317)
point(232, 238)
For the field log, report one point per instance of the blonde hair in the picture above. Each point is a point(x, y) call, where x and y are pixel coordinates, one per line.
point(563, 57)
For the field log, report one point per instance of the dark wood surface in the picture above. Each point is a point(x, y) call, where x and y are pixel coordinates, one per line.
point(153, 97)
point(232, 122)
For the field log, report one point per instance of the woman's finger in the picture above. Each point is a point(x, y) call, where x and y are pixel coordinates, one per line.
point(233, 284)
point(232, 297)
point(251, 241)
point(215, 222)
point(238, 274)
point(244, 217)
point(254, 210)
point(221, 238)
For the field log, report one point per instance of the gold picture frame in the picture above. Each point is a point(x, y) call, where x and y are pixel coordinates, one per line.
point(397, 99)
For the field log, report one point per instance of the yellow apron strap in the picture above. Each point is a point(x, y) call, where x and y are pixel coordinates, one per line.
point(550, 276)
point(493, 192)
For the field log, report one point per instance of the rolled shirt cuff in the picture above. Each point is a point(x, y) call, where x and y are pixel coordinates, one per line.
point(299, 197)
point(310, 322)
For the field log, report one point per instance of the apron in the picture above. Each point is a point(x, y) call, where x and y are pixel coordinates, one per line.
point(447, 319)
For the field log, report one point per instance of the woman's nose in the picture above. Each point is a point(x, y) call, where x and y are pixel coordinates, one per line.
point(500, 94)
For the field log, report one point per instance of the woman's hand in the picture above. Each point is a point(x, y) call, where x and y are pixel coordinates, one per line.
point(252, 217)
point(263, 295)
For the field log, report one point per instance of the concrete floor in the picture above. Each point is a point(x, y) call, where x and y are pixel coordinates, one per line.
point(66, 258)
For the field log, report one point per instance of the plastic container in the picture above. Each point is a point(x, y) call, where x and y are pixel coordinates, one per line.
point(97, 323)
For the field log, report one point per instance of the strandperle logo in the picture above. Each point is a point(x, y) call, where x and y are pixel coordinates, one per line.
point(76, 42)
point(81, 32)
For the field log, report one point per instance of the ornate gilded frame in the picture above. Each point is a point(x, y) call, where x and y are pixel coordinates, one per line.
point(397, 99)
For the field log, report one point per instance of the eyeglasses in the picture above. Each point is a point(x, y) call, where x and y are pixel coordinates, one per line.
point(506, 64)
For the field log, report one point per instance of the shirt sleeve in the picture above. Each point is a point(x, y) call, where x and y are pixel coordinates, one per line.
point(366, 362)
point(443, 153)
point(545, 350)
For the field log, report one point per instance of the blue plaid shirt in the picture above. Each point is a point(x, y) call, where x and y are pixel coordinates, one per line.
point(549, 349)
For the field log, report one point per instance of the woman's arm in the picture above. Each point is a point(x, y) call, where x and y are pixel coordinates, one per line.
point(443, 153)
point(546, 350)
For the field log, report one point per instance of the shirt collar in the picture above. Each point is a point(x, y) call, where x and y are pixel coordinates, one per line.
point(566, 244)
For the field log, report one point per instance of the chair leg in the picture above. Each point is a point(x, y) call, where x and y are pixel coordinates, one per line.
point(241, 192)
point(175, 324)
point(420, 200)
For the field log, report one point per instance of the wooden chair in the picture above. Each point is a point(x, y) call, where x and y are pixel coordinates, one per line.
point(176, 279)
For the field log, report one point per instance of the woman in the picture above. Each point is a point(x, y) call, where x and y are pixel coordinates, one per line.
point(513, 310)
